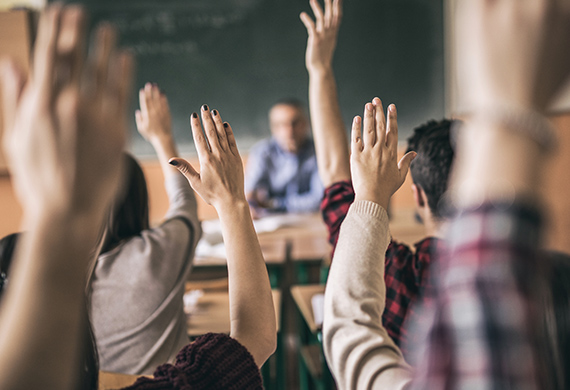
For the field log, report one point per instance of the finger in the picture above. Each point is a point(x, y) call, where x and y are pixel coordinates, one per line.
point(308, 22)
point(337, 13)
point(380, 120)
point(12, 80)
point(187, 170)
point(356, 136)
point(71, 42)
point(106, 37)
point(404, 164)
point(231, 139)
point(222, 137)
point(45, 51)
point(199, 139)
point(392, 128)
point(148, 96)
point(139, 119)
point(319, 16)
point(368, 128)
point(142, 101)
point(328, 13)
point(210, 129)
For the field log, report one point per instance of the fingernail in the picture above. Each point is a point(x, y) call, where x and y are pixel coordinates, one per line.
point(173, 163)
point(226, 125)
point(205, 107)
point(392, 107)
point(214, 112)
point(194, 115)
point(369, 106)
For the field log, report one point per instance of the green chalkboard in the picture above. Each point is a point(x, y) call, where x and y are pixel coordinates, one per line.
point(240, 56)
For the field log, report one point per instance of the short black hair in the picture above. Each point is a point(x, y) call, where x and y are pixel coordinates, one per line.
point(291, 101)
point(430, 169)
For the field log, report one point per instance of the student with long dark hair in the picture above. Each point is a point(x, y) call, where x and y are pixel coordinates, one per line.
point(138, 280)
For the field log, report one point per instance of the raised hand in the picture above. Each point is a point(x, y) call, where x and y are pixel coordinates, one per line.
point(65, 126)
point(322, 33)
point(153, 119)
point(220, 181)
point(376, 172)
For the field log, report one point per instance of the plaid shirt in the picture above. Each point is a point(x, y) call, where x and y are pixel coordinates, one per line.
point(406, 271)
point(481, 327)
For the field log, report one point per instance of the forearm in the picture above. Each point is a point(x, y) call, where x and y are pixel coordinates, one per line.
point(165, 148)
point(252, 314)
point(328, 128)
point(357, 347)
point(42, 309)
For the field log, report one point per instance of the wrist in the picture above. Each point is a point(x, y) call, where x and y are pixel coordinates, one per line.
point(320, 71)
point(373, 197)
point(232, 208)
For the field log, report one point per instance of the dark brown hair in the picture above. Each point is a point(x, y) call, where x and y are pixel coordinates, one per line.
point(128, 216)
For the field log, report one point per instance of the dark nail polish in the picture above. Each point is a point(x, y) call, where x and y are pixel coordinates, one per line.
point(194, 115)
point(226, 125)
point(214, 112)
point(205, 107)
point(173, 163)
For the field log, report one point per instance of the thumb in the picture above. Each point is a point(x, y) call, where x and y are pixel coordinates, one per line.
point(404, 164)
point(187, 170)
point(12, 85)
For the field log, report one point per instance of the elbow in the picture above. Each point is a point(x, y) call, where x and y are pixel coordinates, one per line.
point(267, 345)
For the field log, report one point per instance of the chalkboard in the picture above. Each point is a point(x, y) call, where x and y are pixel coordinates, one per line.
point(240, 56)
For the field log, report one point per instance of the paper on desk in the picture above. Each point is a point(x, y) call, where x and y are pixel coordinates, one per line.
point(212, 244)
point(318, 303)
point(274, 222)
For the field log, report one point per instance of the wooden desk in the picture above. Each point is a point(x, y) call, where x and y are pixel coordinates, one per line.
point(112, 380)
point(302, 296)
point(213, 313)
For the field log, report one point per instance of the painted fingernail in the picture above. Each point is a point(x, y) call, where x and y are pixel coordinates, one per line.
point(226, 125)
point(194, 115)
point(205, 107)
point(214, 112)
point(173, 163)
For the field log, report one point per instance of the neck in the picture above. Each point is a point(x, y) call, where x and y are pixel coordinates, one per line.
point(434, 227)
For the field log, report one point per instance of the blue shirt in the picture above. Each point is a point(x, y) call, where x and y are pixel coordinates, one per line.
point(291, 180)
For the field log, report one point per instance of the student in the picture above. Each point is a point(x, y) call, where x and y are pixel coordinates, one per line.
point(64, 141)
point(282, 175)
point(406, 272)
point(138, 280)
point(483, 328)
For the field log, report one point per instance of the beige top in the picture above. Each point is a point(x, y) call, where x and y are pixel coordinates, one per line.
point(358, 349)
point(137, 309)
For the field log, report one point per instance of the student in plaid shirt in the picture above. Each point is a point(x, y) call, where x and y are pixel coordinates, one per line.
point(406, 272)
point(483, 323)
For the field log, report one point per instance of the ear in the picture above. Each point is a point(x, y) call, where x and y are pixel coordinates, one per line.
point(419, 195)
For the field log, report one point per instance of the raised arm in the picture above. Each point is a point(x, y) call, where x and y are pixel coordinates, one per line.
point(220, 183)
point(326, 121)
point(65, 131)
point(357, 347)
point(155, 125)
point(512, 57)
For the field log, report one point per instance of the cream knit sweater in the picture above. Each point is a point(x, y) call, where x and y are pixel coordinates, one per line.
point(358, 349)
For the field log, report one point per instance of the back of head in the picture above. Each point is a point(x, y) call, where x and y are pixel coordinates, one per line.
point(129, 214)
point(430, 169)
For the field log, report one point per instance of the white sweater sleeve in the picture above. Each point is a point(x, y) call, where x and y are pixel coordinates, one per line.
point(358, 349)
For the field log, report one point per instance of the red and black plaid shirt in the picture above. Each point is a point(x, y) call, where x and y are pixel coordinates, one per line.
point(406, 271)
